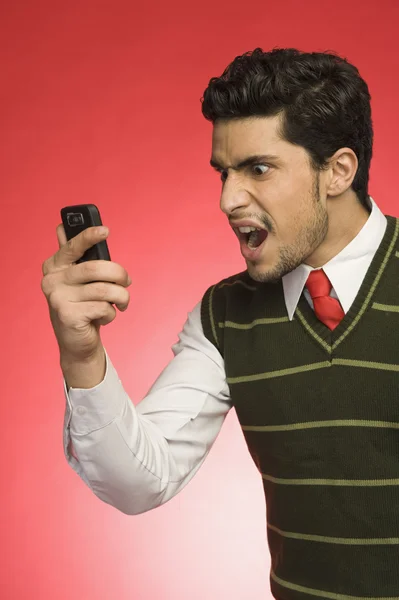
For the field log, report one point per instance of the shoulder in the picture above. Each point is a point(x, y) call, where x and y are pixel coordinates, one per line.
point(230, 284)
point(220, 297)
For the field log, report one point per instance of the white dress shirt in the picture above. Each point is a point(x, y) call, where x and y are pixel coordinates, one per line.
point(138, 457)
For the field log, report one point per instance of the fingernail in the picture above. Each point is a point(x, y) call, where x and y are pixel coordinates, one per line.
point(103, 231)
point(129, 281)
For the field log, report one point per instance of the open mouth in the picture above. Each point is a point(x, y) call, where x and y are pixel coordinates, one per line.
point(251, 236)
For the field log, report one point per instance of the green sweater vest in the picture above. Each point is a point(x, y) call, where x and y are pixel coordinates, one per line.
point(319, 410)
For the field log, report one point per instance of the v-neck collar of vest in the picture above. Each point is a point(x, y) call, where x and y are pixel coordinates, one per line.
point(328, 339)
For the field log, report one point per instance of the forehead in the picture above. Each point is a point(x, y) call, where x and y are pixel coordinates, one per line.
point(235, 139)
point(248, 135)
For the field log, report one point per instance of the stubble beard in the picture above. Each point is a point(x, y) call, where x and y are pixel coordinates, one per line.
point(308, 239)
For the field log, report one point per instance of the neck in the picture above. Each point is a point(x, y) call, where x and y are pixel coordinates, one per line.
point(346, 217)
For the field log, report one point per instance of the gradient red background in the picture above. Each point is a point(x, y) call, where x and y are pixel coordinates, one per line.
point(100, 102)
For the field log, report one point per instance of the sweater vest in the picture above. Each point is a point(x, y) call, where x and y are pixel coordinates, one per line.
point(319, 410)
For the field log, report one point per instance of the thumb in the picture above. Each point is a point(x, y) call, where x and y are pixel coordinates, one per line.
point(70, 251)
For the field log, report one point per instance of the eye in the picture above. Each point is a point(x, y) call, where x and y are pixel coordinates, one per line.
point(257, 169)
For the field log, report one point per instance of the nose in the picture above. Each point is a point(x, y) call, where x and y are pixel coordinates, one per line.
point(234, 196)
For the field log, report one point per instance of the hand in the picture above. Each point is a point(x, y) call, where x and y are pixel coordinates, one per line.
point(80, 297)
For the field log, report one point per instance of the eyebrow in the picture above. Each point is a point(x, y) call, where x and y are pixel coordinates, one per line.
point(250, 160)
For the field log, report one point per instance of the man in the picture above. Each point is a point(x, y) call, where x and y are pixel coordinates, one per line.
point(304, 343)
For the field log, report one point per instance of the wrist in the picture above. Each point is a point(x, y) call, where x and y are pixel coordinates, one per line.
point(84, 372)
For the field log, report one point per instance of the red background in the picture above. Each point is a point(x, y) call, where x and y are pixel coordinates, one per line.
point(100, 102)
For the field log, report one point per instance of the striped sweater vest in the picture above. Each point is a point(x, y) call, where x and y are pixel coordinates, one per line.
point(319, 411)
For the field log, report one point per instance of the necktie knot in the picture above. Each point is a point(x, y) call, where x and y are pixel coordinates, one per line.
point(327, 309)
point(318, 284)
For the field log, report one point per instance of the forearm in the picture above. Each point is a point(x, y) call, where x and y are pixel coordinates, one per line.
point(138, 457)
point(133, 479)
point(127, 459)
point(112, 452)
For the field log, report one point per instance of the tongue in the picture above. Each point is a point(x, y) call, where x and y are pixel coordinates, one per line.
point(256, 238)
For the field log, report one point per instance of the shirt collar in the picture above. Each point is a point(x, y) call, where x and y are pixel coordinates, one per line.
point(346, 270)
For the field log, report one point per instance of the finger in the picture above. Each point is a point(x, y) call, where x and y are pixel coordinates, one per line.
point(97, 270)
point(62, 239)
point(101, 291)
point(74, 249)
point(101, 313)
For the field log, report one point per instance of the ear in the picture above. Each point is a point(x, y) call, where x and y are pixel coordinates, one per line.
point(342, 171)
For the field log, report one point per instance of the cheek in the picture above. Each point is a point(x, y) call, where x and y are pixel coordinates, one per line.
point(294, 183)
point(292, 221)
point(289, 203)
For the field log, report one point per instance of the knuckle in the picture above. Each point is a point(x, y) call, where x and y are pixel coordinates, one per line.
point(87, 236)
point(125, 277)
point(47, 284)
point(49, 266)
point(119, 274)
point(87, 233)
point(56, 300)
point(46, 266)
point(122, 275)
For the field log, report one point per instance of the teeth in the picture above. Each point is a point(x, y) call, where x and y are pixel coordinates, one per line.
point(247, 229)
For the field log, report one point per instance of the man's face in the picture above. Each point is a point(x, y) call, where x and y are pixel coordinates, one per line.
point(279, 194)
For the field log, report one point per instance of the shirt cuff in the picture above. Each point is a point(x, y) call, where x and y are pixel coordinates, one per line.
point(95, 408)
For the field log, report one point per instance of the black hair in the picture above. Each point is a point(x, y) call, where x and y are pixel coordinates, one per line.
point(323, 100)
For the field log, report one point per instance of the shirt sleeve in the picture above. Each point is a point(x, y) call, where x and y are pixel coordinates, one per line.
point(139, 457)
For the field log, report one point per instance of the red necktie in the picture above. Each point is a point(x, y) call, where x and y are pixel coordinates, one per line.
point(328, 310)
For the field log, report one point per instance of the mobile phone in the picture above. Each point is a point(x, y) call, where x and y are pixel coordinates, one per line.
point(77, 218)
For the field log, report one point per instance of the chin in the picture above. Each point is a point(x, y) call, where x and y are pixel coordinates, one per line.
point(264, 274)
